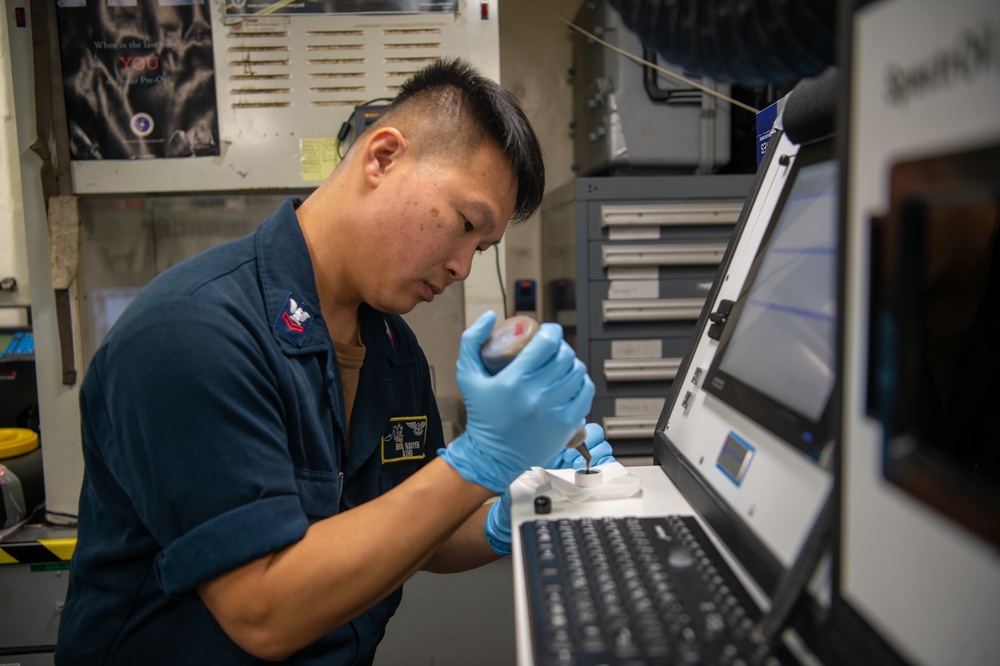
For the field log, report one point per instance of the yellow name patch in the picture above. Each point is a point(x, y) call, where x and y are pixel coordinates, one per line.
point(405, 439)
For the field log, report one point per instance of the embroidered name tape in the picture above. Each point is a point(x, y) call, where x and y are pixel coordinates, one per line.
point(293, 320)
point(405, 439)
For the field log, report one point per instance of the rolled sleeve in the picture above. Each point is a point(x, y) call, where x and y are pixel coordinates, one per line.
point(229, 541)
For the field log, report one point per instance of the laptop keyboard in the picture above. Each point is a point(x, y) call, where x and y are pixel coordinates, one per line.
point(633, 591)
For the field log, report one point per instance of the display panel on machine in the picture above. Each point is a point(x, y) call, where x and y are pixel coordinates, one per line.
point(935, 348)
point(776, 357)
point(16, 342)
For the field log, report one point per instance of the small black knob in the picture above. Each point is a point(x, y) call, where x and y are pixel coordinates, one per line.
point(543, 504)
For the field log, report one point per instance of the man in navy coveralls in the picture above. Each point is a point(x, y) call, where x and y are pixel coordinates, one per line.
point(265, 463)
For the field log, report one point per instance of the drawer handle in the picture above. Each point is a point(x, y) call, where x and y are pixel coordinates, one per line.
point(628, 427)
point(652, 254)
point(651, 309)
point(641, 370)
point(670, 215)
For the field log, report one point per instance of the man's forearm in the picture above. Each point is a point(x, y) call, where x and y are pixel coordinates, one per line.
point(465, 549)
point(278, 604)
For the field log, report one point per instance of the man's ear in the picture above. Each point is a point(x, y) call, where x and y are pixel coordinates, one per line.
point(383, 149)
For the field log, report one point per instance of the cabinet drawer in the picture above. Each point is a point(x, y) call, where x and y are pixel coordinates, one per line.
point(664, 308)
point(657, 220)
point(660, 254)
point(638, 328)
point(635, 366)
point(629, 433)
point(650, 309)
point(617, 371)
point(700, 253)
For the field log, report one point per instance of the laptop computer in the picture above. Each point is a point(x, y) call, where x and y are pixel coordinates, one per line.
point(712, 561)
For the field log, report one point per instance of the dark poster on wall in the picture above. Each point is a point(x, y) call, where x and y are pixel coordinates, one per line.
point(139, 78)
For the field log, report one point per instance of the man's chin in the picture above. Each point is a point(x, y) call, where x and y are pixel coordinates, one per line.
point(398, 308)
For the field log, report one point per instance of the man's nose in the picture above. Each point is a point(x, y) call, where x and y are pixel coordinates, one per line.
point(459, 267)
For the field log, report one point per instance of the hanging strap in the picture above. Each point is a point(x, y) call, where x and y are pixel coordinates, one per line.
point(57, 189)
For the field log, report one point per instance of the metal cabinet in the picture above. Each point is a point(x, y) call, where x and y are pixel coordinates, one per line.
point(627, 263)
point(34, 577)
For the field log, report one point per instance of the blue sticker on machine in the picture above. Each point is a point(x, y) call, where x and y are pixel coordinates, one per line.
point(735, 457)
point(405, 439)
point(765, 128)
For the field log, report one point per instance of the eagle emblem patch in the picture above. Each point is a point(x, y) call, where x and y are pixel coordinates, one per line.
point(293, 320)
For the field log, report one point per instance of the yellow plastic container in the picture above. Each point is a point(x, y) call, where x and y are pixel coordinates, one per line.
point(17, 442)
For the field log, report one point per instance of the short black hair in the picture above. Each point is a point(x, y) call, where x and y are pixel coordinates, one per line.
point(454, 88)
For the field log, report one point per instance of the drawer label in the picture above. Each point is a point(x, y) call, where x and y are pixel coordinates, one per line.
point(623, 289)
point(642, 407)
point(637, 349)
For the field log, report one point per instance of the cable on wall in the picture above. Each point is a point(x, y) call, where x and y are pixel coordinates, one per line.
point(641, 61)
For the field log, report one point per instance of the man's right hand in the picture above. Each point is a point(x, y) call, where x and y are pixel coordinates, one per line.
point(524, 414)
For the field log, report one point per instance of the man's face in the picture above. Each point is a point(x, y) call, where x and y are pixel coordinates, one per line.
point(434, 215)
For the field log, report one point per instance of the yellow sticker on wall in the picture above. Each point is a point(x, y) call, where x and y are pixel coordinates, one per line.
point(319, 157)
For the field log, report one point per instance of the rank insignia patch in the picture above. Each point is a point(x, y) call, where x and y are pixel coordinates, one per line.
point(405, 439)
point(293, 320)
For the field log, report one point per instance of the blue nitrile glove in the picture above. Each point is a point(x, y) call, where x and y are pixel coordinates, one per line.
point(600, 452)
point(497, 525)
point(524, 414)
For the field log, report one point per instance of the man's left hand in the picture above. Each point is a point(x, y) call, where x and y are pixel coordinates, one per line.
point(497, 525)
point(600, 452)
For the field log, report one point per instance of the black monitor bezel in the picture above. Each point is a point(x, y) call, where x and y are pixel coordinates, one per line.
point(774, 416)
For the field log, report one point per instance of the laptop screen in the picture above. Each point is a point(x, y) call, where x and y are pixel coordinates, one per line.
point(776, 357)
